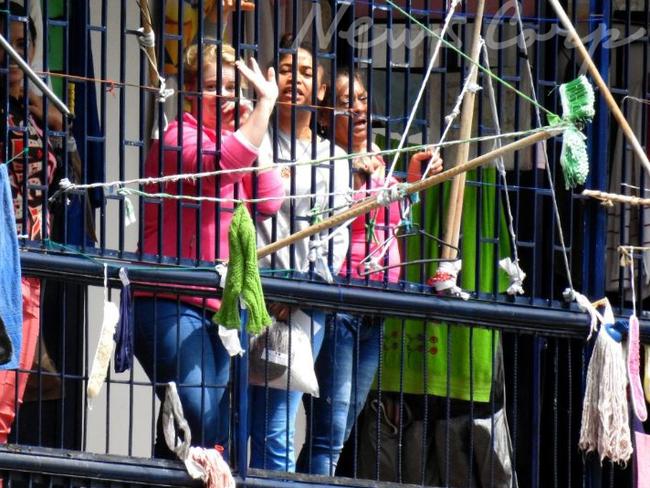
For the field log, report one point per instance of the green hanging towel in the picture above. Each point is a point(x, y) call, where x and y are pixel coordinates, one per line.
point(243, 278)
point(424, 355)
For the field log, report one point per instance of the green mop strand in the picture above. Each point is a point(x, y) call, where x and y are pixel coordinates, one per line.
point(577, 98)
point(243, 278)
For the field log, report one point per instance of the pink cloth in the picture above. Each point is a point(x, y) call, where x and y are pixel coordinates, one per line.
point(634, 370)
point(642, 457)
point(358, 248)
point(215, 218)
point(9, 401)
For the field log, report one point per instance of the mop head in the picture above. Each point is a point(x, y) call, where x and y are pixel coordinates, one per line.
point(574, 159)
point(605, 422)
point(577, 98)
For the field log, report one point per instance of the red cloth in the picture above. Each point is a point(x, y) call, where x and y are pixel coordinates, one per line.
point(9, 401)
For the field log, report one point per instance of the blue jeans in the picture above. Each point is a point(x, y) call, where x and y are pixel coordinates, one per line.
point(345, 370)
point(273, 415)
point(178, 342)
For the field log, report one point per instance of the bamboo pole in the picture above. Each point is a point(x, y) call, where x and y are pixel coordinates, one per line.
point(609, 198)
point(147, 25)
point(457, 194)
point(371, 203)
point(604, 89)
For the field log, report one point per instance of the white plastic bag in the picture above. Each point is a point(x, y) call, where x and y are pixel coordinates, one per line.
point(281, 356)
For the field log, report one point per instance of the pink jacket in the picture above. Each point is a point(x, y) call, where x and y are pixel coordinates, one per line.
point(358, 248)
point(236, 152)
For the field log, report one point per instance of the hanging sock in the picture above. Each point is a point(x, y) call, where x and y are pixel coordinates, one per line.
point(516, 275)
point(243, 278)
point(104, 349)
point(11, 305)
point(633, 370)
point(124, 334)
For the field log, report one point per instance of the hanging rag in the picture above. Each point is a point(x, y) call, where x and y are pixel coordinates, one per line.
point(105, 344)
point(208, 465)
point(11, 308)
point(605, 421)
point(124, 332)
point(176, 430)
point(243, 278)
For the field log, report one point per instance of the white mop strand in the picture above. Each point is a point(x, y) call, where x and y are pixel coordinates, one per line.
point(605, 423)
point(423, 86)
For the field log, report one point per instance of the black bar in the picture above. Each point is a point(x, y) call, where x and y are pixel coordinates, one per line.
point(564, 321)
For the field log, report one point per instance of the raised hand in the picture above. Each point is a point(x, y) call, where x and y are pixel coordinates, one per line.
point(422, 158)
point(266, 88)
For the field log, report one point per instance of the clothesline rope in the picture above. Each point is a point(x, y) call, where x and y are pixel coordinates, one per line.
point(68, 187)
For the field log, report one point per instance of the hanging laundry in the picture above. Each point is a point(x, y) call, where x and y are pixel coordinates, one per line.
point(11, 311)
point(243, 278)
point(104, 349)
point(208, 465)
point(124, 332)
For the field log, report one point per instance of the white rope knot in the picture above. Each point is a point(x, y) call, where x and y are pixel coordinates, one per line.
point(452, 115)
point(65, 184)
point(318, 255)
point(516, 275)
point(389, 195)
point(445, 279)
point(146, 39)
point(372, 266)
point(473, 87)
point(163, 92)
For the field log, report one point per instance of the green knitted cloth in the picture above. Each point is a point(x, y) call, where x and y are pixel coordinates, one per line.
point(243, 278)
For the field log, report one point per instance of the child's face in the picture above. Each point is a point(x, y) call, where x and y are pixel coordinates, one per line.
point(17, 39)
point(306, 80)
point(357, 105)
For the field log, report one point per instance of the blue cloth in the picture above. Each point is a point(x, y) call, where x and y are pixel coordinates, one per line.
point(273, 416)
point(124, 333)
point(345, 370)
point(11, 305)
point(178, 342)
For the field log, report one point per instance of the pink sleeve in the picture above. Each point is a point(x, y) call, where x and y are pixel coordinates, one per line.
point(234, 153)
point(269, 185)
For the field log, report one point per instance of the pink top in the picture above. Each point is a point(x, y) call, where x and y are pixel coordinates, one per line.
point(358, 249)
point(236, 152)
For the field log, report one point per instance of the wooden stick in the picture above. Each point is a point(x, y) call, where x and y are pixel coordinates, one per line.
point(604, 89)
point(370, 203)
point(147, 25)
point(608, 198)
point(457, 194)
